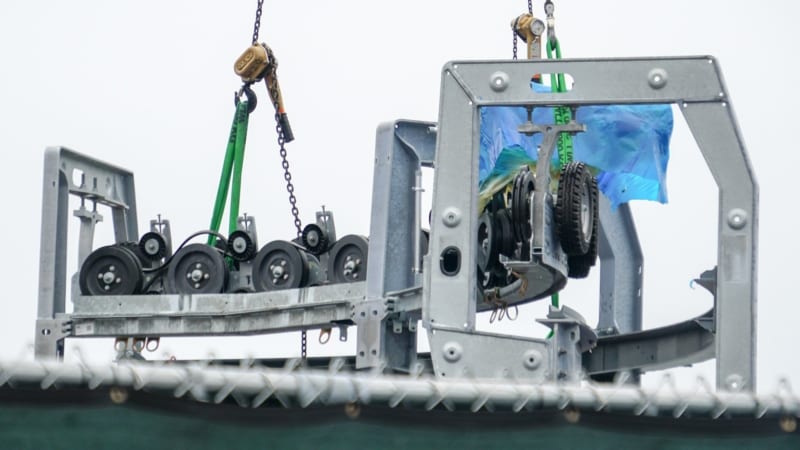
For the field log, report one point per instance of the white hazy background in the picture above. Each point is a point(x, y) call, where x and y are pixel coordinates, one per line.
point(148, 85)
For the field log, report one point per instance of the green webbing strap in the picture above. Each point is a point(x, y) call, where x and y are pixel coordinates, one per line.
point(242, 115)
point(562, 114)
point(232, 164)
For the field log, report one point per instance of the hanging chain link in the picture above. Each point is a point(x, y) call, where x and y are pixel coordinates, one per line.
point(257, 24)
point(272, 86)
point(530, 6)
point(303, 344)
point(287, 175)
point(514, 43)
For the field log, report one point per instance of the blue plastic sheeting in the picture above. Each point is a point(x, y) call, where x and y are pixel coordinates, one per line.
point(628, 145)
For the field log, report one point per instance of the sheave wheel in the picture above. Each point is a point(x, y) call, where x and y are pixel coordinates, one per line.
point(576, 209)
point(111, 270)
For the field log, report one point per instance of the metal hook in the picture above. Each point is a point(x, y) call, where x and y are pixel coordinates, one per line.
point(247, 91)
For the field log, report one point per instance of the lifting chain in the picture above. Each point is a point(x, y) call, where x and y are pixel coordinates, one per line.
point(281, 129)
point(257, 24)
point(514, 31)
point(284, 135)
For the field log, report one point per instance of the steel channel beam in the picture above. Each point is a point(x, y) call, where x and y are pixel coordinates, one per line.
point(215, 314)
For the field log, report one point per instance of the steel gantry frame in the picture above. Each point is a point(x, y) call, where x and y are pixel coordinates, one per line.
point(400, 290)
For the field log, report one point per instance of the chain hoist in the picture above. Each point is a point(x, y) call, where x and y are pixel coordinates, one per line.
point(530, 30)
point(258, 63)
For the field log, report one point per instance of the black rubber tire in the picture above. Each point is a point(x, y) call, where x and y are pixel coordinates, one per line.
point(576, 209)
point(351, 247)
point(294, 263)
point(580, 265)
point(520, 206)
point(504, 232)
point(206, 259)
point(487, 242)
point(126, 266)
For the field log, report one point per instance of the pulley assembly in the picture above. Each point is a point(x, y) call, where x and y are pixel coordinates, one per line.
point(148, 267)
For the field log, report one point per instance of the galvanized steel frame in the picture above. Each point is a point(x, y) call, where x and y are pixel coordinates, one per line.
point(695, 84)
point(387, 307)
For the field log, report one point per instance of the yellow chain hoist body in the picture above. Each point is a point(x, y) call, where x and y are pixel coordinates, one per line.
point(530, 30)
point(252, 64)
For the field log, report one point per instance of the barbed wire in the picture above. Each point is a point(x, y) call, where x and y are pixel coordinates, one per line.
point(294, 386)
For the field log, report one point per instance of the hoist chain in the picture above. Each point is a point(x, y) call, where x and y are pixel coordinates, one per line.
point(303, 344)
point(514, 43)
point(284, 135)
point(272, 86)
point(530, 6)
point(257, 24)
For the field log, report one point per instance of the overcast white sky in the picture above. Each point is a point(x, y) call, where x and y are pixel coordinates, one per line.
point(148, 85)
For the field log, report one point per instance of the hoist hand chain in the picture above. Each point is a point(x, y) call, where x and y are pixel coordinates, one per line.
point(514, 43)
point(303, 344)
point(284, 135)
point(281, 127)
point(257, 24)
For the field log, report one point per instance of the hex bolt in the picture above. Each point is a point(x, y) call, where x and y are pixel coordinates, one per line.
point(112, 268)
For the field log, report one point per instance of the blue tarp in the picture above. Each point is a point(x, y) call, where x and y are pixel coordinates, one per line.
point(628, 145)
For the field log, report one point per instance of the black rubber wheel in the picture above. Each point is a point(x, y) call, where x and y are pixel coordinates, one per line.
point(347, 260)
point(580, 265)
point(197, 269)
point(576, 208)
point(504, 232)
point(152, 246)
point(487, 243)
point(241, 246)
point(111, 270)
point(520, 205)
point(280, 265)
point(314, 239)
